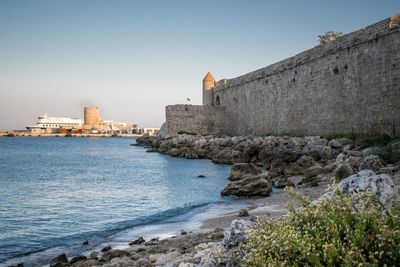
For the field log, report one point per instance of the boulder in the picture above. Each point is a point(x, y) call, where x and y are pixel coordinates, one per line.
point(282, 182)
point(277, 167)
point(293, 169)
point(309, 182)
point(167, 258)
point(89, 263)
point(367, 181)
point(372, 162)
point(313, 171)
point(174, 152)
point(320, 152)
point(243, 213)
point(372, 151)
point(59, 261)
point(236, 234)
point(137, 241)
point(249, 186)
point(116, 253)
point(106, 248)
point(152, 242)
point(77, 258)
point(239, 170)
point(335, 144)
point(306, 161)
point(342, 171)
point(94, 255)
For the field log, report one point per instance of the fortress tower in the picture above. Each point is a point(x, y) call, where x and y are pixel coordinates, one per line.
point(92, 116)
point(208, 86)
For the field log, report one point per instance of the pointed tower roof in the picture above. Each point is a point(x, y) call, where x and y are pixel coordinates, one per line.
point(209, 77)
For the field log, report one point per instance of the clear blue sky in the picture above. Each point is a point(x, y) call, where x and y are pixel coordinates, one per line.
point(132, 58)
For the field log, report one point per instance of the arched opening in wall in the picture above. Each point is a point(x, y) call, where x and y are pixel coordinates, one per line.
point(217, 101)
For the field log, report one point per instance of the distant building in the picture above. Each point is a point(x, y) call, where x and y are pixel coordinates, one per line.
point(92, 124)
point(46, 124)
point(91, 117)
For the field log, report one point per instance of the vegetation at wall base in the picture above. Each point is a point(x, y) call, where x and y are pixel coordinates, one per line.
point(341, 231)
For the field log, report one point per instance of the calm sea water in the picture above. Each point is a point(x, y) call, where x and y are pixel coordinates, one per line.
point(57, 192)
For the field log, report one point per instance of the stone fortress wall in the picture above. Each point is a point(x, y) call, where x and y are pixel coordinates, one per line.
point(195, 119)
point(350, 85)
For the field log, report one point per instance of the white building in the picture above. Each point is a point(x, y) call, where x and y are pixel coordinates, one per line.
point(51, 124)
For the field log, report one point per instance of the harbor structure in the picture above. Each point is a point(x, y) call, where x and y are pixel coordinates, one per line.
point(92, 124)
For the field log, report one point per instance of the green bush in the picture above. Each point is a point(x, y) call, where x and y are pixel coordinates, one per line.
point(336, 232)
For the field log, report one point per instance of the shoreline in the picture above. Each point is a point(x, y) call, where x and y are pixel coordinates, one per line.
point(316, 161)
point(26, 135)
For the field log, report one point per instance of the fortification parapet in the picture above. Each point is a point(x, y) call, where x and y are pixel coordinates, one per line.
point(346, 42)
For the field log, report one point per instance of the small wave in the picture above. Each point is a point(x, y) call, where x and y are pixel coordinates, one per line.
point(98, 236)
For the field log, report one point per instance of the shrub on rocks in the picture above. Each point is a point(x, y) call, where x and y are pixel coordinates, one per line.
point(335, 232)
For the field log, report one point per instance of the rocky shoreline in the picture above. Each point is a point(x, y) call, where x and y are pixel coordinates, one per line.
point(263, 163)
point(262, 166)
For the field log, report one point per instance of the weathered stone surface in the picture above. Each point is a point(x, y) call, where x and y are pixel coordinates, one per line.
point(282, 182)
point(319, 91)
point(313, 171)
point(342, 171)
point(367, 181)
point(167, 258)
point(59, 261)
point(195, 119)
point(236, 234)
point(116, 253)
point(239, 170)
point(137, 241)
point(371, 162)
point(249, 186)
point(94, 255)
point(306, 161)
point(88, 263)
point(106, 248)
point(78, 258)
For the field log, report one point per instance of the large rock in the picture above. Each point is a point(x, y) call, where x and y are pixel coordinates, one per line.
point(77, 259)
point(277, 167)
point(313, 171)
point(320, 152)
point(236, 234)
point(342, 171)
point(167, 258)
point(372, 162)
point(367, 181)
point(306, 161)
point(116, 253)
point(282, 182)
point(239, 170)
point(293, 169)
point(249, 186)
point(89, 263)
point(59, 261)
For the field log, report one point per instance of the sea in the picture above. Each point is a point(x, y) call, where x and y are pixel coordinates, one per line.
point(57, 192)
